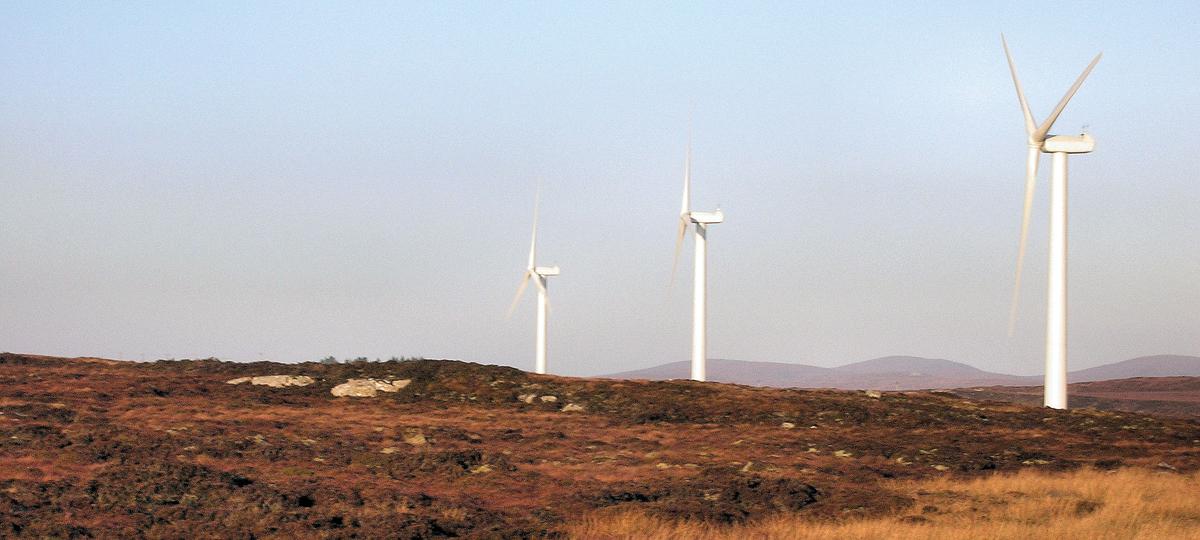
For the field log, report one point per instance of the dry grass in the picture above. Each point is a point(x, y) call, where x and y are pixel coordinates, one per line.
point(1092, 505)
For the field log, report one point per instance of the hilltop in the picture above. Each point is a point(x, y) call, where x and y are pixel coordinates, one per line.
point(904, 373)
point(447, 448)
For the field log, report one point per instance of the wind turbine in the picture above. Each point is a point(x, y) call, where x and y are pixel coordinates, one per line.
point(1059, 146)
point(699, 281)
point(539, 275)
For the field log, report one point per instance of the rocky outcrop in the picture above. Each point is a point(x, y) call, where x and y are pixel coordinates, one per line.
point(368, 387)
point(275, 381)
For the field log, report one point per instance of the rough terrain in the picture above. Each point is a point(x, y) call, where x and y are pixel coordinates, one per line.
point(167, 449)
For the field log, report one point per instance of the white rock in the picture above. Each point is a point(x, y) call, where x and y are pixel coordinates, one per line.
point(874, 394)
point(280, 381)
point(787, 425)
point(368, 387)
point(238, 380)
point(549, 399)
point(527, 398)
point(571, 407)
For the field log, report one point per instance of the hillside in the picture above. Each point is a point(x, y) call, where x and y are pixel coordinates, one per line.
point(171, 449)
point(903, 373)
point(1165, 365)
point(1172, 396)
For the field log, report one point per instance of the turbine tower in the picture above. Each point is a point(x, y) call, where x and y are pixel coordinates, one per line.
point(539, 275)
point(1059, 146)
point(700, 281)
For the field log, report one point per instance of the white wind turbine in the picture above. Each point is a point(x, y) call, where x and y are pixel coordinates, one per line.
point(699, 285)
point(1039, 141)
point(539, 275)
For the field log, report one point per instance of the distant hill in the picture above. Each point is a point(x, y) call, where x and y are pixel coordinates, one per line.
point(1171, 396)
point(1163, 365)
point(888, 373)
point(904, 373)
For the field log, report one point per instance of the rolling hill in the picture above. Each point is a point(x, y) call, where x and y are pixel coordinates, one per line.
point(904, 373)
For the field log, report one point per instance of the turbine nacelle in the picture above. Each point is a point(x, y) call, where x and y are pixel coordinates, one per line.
point(1069, 144)
point(706, 218)
point(546, 271)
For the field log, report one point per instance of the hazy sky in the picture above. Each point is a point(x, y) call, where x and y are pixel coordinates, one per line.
point(289, 180)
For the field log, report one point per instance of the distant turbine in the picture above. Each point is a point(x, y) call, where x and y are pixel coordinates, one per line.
point(1055, 392)
point(539, 274)
point(699, 285)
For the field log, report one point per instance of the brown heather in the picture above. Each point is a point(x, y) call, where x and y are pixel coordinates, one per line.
point(94, 448)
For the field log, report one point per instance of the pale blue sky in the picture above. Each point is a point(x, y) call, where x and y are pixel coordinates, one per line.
point(294, 180)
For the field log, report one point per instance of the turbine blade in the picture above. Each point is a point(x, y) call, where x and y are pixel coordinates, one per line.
point(539, 280)
point(683, 222)
point(1043, 129)
point(520, 291)
point(1030, 125)
point(533, 236)
point(687, 180)
point(1031, 167)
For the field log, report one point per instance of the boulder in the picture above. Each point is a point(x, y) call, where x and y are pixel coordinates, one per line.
point(274, 381)
point(415, 437)
point(368, 387)
point(549, 399)
point(280, 381)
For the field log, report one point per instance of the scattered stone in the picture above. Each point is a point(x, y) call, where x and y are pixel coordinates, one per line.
point(1165, 465)
point(389, 450)
point(1035, 462)
point(571, 407)
point(787, 425)
point(368, 387)
point(813, 450)
point(415, 437)
point(661, 465)
point(280, 381)
point(480, 469)
point(874, 394)
point(275, 381)
point(748, 467)
point(259, 439)
point(527, 398)
point(903, 461)
point(940, 467)
point(842, 453)
point(549, 399)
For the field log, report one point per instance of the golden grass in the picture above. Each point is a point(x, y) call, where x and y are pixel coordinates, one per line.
point(1091, 505)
